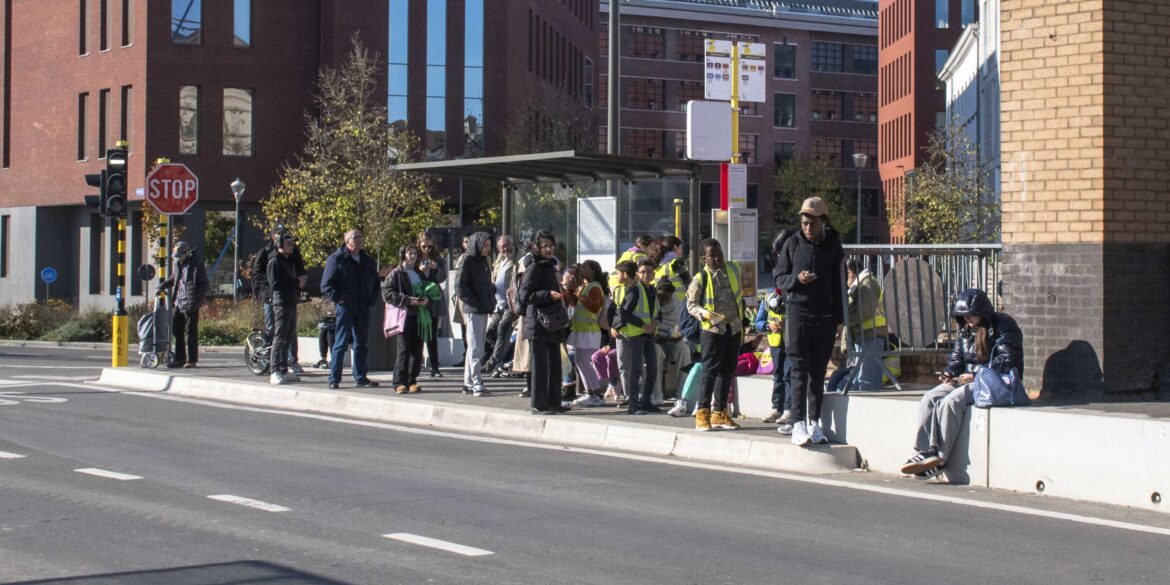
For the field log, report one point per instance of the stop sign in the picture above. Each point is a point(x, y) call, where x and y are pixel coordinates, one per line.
point(172, 188)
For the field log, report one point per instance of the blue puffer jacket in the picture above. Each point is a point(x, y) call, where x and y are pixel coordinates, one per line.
point(1007, 346)
point(353, 284)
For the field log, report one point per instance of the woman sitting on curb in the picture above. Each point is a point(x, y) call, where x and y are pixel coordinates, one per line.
point(986, 339)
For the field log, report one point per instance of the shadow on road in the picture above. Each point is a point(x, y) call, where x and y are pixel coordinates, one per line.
point(232, 573)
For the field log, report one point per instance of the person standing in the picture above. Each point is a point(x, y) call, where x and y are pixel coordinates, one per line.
point(867, 326)
point(632, 325)
point(398, 290)
point(809, 270)
point(503, 320)
point(672, 267)
point(770, 321)
point(431, 269)
point(263, 287)
point(715, 298)
point(189, 281)
point(541, 289)
point(285, 284)
point(586, 304)
point(477, 294)
point(350, 280)
point(674, 352)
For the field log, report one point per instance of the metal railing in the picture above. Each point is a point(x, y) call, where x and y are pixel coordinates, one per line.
point(919, 284)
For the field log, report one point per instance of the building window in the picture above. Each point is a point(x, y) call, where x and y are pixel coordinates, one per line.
point(237, 122)
point(865, 107)
point(126, 113)
point(127, 27)
point(827, 105)
point(784, 110)
point(436, 119)
point(82, 49)
point(967, 14)
point(940, 58)
point(942, 13)
point(187, 22)
point(783, 152)
point(82, 99)
point(473, 78)
point(397, 79)
point(689, 45)
point(189, 119)
point(103, 109)
point(828, 57)
point(749, 109)
point(647, 42)
point(686, 91)
point(588, 82)
point(643, 143)
point(242, 23)
point(644, 94)
point(678, 143)
point(747, 149)
point(865, 59)
point(103, 25)
point(784, 64)
point(827, 150)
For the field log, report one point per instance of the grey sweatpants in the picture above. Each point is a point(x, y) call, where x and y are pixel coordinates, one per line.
point(940, 417)
point(475, 324)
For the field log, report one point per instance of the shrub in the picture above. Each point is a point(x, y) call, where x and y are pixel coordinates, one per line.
point(33, 320)
point(89, 326)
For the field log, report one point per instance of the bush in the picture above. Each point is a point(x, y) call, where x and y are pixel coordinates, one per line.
point(33, 320)
point(222, 322)
point(90, 326)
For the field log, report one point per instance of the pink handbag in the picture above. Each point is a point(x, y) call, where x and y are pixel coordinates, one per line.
point(393, 321)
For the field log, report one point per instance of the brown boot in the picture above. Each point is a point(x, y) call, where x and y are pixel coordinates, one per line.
point(721, 420)
point(415, 388)
point(703, 419)
point(400, 389)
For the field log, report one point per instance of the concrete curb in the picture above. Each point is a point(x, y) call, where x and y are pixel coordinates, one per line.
point(719, 448)
point(100, 345)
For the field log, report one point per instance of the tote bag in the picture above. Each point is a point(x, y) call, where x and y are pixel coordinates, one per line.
point(992, 389)
point(393, 321)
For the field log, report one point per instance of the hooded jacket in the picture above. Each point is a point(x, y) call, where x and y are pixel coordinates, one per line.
point(261, 285)
point(190, 282)
point(283, 286)
point(475, 287)
point(1007, 346)
point(826, 259)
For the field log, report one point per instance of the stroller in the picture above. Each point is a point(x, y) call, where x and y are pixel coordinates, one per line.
point(154, 335)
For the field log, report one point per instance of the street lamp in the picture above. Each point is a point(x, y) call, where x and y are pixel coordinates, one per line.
point(238, 187)
point(860, 160)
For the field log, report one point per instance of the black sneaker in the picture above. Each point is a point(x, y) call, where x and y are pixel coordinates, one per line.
point(624, 403)
point(921, 462)
point(334, 385)
point(650, 408)
point(366, 383)
point(467, 389)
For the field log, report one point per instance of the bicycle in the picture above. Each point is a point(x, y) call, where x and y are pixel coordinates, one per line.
point(257, 352)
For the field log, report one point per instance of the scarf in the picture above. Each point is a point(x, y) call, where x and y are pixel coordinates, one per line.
point(427, 290)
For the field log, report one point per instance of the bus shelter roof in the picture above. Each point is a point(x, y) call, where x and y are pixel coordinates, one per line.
point(566, 166)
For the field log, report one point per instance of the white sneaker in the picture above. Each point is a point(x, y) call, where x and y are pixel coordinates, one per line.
point(478, 391)
point(816, 434)
point(277, 379)
point(800, 434)
point(785, 430)
point(591, 401)
point(679, 410)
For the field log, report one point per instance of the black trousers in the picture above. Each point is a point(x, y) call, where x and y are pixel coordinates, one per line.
point(324, 342)
point(185, 325)
point(502, 328)
point(283, 332)
point(433, 350)
point(546, 374)
point(809, 344)
point(408, 363)
point(720, 352)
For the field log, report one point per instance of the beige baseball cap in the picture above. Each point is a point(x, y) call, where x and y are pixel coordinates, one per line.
point(815, 206)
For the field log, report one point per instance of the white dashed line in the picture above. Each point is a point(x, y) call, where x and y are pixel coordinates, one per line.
point(439, 544)
point(250, 503)
point(107, 474)
point(7, 455)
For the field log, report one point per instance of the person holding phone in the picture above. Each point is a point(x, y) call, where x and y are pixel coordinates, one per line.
point(810, 270)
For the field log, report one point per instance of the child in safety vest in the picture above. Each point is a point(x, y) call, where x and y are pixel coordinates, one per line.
point(770, 321)
point(632, 325)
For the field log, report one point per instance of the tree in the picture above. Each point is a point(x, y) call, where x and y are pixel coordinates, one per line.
point(343, 180)
point(949, 198)
point(797, 180)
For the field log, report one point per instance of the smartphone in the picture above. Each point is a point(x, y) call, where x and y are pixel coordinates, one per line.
point(812, 275)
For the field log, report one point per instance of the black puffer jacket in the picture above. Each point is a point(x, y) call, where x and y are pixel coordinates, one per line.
point(281, 277)
point(540, 279)
point(475, 287)
point(1007, 346)
point(821, 297)
point(261, 286)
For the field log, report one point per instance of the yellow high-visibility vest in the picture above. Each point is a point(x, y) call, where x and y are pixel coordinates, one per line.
point(733, 276)
point(641, 311)
point(583, 319)
point(668, 272)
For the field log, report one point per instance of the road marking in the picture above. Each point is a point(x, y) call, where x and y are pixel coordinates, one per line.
point(109, 474)
point(30, 367)
point(56, 378)
point(7, 455)
point(1009, 508)
point(250, 503)
point(467, 551)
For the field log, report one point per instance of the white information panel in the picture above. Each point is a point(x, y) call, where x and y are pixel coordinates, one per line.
point(753, 65)
point(717, 66)
point(708, 130)
point(597, 230)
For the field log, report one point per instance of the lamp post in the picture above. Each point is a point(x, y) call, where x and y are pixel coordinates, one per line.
point(238, 191)
point(860, 160)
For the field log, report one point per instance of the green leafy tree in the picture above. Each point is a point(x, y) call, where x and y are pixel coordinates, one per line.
point(797, 180)
point(949, 198)
point(343, 179)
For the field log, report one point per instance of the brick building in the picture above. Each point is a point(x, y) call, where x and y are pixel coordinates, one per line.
point(915, 40)
point(821, 88)
point(1086, 212)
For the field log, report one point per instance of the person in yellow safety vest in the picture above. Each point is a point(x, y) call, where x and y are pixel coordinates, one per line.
point(671, 267)
point(715, 298)
point(770, 320)
point(632, 324)
point(867, 325)
point(586, 303)
point(634, 255)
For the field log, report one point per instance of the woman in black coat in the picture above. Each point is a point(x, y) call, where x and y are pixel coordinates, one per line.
point(541, 288)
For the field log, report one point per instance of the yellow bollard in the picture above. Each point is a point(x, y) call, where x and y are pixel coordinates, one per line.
point(121, 331)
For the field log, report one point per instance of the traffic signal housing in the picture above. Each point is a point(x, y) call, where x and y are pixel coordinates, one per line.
point(114, 200)
point(98, 202)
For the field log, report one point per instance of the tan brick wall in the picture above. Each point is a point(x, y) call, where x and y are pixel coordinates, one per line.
point(1086, 116)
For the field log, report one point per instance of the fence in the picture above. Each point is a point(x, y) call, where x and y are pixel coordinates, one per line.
point(918, 287)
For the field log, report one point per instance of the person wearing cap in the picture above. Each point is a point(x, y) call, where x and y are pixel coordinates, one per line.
point(190, 283)
point(262, 287)
point(284, 285)
point(810, 271)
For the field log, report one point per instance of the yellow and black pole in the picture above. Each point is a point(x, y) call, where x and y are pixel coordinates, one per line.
point(678, 218)
point(121, 325)
point(116, 208)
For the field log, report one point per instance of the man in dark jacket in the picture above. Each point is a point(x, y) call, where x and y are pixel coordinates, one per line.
point(284, 290)
point(263, 287)
point(351, 281)
point(477, 294)
point(190, 283)
point(809, 269)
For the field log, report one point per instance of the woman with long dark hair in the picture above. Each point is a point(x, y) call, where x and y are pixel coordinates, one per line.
point(431, 268)
point(398, 289)
point(541, 290)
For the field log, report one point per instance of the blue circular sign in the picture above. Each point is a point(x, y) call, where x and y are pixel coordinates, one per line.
point(48, 274)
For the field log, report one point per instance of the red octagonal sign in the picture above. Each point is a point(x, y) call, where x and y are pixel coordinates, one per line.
point(172, 188)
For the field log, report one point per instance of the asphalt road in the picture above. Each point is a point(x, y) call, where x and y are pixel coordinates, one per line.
point(305, 499)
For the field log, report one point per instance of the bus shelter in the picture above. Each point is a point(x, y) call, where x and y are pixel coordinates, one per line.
point(595, 204)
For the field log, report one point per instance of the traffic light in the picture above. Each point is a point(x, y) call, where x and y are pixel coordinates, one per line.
point(114, 201)
point(98, 201)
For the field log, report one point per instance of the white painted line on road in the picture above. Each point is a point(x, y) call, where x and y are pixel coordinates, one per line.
point(250, 503)
point(7, 455)
point(459, 549)
point(56, 378)
point(1012, 509)
point(30, 367)
point(109, 474)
